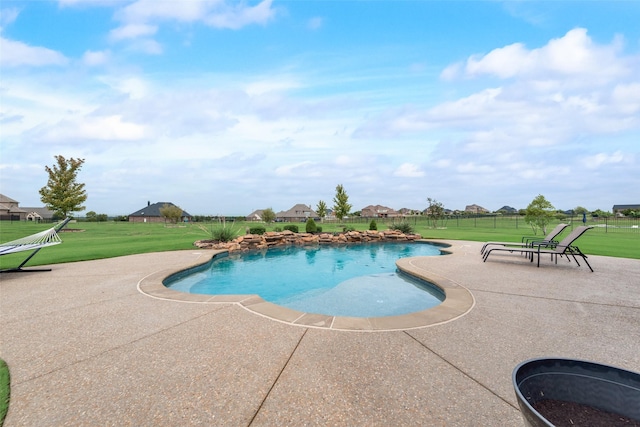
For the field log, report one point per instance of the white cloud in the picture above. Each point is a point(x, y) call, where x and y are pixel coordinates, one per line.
point(216, 13)
point(626, 98)
point(554, 95)
point(452, 72)
point(132, 31)
point(601, 159)
point(88, 128)
point(147, 10)
point(238, 16)
point(573, 54)
point(134, 87)
point(409, 170)
point(147, 46)
point(95, 58)
point(141, 20)
point(293, 170)
point(503, 62)
point(15, 53)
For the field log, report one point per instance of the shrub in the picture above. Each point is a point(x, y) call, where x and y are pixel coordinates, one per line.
point(318, 229)
point(373, 225)
point(291, 227)
point(258, 229)
point(223, 234)
point(277, 229)
point(348, 228)
point(311, 226)
point(403, 227)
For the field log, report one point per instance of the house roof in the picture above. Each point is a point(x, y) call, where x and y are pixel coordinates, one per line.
point(5, 199)
point(379, 209)
point(475, 207)
point(11, 209)
point(625, 207)
point(43, 212)
point(153, 210)
point(257, 214)
point(298, 211)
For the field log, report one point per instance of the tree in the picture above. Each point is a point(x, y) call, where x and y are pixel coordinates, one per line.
point(62, 194)
point(580, 210)
point(539, 214)
point(435, 211)
point(599, 213)
point(341, 207)
point(268, 215)
point(171, 212)
point(321, 209)
point(91, 216)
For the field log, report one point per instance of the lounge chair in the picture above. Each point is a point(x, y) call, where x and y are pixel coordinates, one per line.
point(563, 248)
point(548, 241)
point(34, 243)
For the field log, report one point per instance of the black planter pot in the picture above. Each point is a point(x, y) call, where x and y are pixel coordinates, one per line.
point(599, 386)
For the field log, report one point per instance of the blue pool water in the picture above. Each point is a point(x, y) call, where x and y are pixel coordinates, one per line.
point(354, 280)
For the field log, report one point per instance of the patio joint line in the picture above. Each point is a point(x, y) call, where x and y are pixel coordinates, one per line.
point(462, 372)
point(277, 378)
point(94, 356)
point(557, 299)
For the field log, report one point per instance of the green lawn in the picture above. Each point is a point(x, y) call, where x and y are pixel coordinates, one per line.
point(5, 390)
point(110, 239)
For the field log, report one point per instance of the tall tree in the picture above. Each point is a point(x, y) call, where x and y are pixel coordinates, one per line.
point(268, 215)
point(62, 194)
point(341, 206)
point(435, 211)
point(321, 209)
point(539, 214)
point(171, 212)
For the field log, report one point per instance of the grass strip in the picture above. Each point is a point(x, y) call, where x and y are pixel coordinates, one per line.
point(5, 390)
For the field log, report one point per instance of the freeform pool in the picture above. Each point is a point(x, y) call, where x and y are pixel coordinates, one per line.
point(355, 280)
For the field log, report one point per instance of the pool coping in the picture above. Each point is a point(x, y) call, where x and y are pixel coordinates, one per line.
point(458, 301)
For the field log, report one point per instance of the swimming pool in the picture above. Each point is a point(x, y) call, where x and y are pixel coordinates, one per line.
point(354, 280)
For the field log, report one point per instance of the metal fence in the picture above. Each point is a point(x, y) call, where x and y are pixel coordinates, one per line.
point(604, 225)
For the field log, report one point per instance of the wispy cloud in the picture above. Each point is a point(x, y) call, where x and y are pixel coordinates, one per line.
point(315, 23)
point(15, 53)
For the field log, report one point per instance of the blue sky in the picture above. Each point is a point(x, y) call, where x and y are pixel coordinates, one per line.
point(224, 107)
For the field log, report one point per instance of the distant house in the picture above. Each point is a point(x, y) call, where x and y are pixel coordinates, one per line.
point(255, 215)
point(508, 209)
point(407, 211)
point(151, 213)
point(618, 209)
point(378, 211)
point(475, 209)
point(298, 213)
point(9, 209)
point(38, 214)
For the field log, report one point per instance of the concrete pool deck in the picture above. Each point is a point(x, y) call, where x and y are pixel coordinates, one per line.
point(86, 347)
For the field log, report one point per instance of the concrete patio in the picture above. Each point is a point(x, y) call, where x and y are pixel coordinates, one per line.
point(86, 347)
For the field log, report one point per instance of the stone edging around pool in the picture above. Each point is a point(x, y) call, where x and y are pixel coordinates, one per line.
point(457, 303)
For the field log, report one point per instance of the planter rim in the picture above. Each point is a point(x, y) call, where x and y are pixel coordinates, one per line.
point(524, 401)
